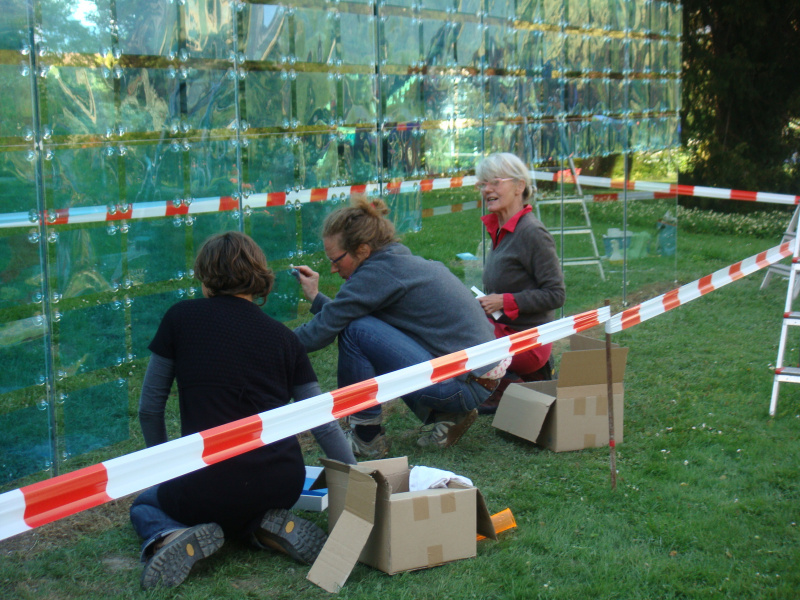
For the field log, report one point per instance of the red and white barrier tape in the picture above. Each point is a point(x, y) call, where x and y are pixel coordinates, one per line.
point(668, 188)
point(180, 207)
point(194, 206)
point(686, 293)
point(46, 501)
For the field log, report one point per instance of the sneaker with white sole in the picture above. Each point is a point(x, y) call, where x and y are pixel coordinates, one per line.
point(282, 530)
point(171, 563)
point(376, 448)
point(448, 429)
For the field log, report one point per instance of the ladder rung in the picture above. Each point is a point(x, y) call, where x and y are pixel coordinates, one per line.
point(570, 231)
point(791, 315)
point(791, 374)
point(582, 261)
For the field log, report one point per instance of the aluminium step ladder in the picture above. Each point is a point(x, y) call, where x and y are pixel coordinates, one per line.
point(784, 374)
point(782, 269)
point(594, 258)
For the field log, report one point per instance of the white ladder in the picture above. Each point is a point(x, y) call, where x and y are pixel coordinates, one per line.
point(594, 259)
point(783, 269)
point(790, 319)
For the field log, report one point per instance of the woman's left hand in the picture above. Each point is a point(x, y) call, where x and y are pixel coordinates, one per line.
point(491, 303)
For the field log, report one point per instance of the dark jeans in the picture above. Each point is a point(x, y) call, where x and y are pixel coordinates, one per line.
point(369, 347)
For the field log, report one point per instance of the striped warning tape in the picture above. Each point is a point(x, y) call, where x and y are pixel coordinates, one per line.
point(46, 501)
point(194, 206)
point(668, 188)
point(686, 293)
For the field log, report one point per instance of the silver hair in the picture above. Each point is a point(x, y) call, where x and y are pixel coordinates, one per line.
point(505, 164)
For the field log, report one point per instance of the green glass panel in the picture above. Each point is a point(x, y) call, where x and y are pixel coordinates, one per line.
point(400, 41)
point(640, 55)
point(321, 160)
point(270, 163)
point(578, 14)
point(282, 301)
point(91, 338)
point(405, 211)
point(20, 269)
point(13, 24)
point(76, 26)
point(315, 36)
point(500, 43)
point(639, 15)
point(639, 95)
point(468, 43)
point(359, 156)
point(147, 27)
point(468, 99)
point(96, 417)
point(154, 172)
point(156, 250)
point(401, 152)
point(313, 215)
point(502, 97)
point(18, 192)
point(265, 33)
point(275, 230)
point(89, 260)
point(531, 11)
point(16, 108)
point(402, 98)
point(358, 39)
point(208, 26)
point(315, 99)
point(530, 50)
point(619, 15)
point(502, 9)
point(554, 12)
point(210, 100)
point(22, 353)
point(78, 101)
point(360, 99)
point(213, 169)
point(600, 13)
point(24, 443)
point(147, 100)
point(81, 176)
point(267, 100)
point(437, 43)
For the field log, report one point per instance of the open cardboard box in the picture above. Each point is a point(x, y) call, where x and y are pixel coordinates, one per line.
point(374, 518)
point(569, 413)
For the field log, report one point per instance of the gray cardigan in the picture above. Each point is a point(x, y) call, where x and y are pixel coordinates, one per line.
point(420, 297)
point(526, 265)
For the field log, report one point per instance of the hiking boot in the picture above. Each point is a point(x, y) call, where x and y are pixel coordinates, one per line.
point(171, 563)
point(376, 448)
point(281, 530)
point(448, 429)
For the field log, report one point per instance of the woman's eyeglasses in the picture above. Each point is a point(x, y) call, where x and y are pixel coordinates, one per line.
point(492, 182)
point(334, 261)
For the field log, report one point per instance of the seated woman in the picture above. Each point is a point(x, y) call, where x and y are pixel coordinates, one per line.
point(395, 310)
point(231, 361)
point(522, 277)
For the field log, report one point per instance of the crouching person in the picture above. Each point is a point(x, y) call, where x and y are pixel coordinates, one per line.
point(230, 361)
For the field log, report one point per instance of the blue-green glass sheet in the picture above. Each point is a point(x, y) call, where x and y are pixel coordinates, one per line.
point(96, 417)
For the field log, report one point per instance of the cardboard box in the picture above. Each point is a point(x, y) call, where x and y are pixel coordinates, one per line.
point(571, 412)
point(374, 518)
point(312, 499)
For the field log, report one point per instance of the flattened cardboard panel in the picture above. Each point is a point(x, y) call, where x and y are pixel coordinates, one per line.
point(345, 542)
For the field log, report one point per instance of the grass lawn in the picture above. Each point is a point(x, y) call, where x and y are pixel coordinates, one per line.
point(706, 505)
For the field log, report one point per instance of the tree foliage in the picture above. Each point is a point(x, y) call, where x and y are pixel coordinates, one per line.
point(741, 95)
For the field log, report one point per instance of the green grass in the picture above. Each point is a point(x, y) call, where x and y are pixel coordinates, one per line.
point(707, 496)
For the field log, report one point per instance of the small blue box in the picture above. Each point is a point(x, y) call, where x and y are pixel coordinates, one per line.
point(314, 500)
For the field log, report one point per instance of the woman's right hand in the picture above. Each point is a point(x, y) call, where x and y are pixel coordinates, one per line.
point(309, 281)
point(491, 303)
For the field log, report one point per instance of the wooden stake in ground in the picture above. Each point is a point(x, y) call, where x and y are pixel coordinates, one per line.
point(610, 383)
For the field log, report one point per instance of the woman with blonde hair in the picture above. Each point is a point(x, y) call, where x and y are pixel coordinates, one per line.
point(395, 310)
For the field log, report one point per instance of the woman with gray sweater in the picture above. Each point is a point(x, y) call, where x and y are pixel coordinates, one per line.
point(522, 277)
point(395, 310)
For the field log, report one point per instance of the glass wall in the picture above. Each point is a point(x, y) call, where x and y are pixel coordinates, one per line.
point(133, 130)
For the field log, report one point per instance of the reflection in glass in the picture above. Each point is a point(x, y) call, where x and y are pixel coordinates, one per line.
point(22, 353)
point(266, 34)
point(209, 27)
point(91, 338)
point(88, 260)
point(96, 417)
point(24, 442)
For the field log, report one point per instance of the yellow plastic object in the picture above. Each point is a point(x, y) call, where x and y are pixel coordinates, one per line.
point(502, 521)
